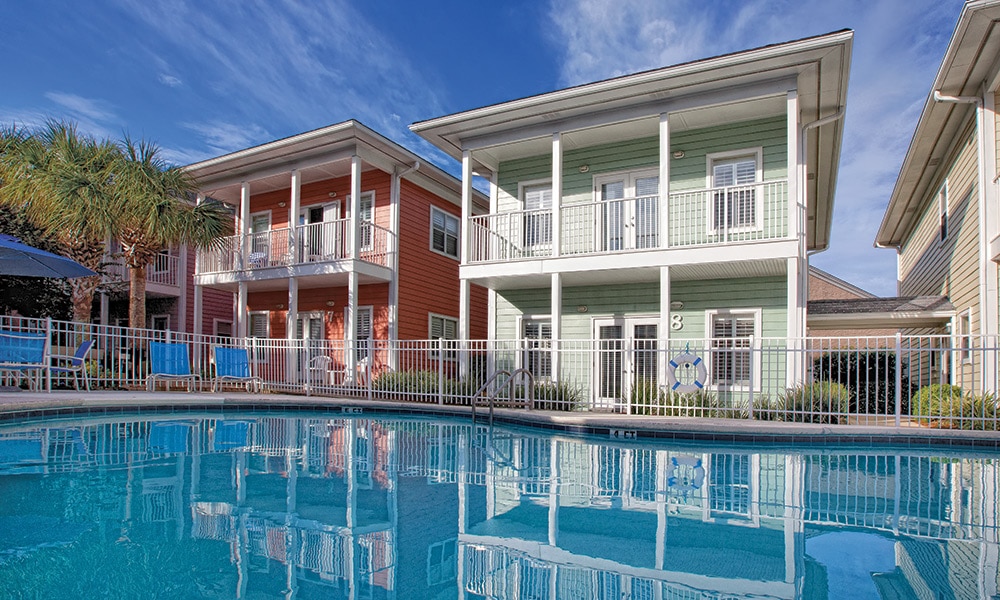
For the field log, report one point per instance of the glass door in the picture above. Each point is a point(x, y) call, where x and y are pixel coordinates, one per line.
point(319, 236)
point(627, 359)
point(629, 210)
point(309, 328)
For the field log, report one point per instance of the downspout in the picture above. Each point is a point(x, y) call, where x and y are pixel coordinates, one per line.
point(808, 254)
point(395, 200)
point(985, 326)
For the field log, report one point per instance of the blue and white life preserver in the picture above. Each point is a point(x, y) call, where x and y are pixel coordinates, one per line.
point(688, 479)
point(688, 360)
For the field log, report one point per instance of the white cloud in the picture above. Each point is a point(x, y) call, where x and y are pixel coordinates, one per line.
point(223, 137)
point(169, 80)
point(84, 108)
point(898, 46)
point(303, 65)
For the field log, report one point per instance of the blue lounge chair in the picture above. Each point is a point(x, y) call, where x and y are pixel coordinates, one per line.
point(170, 362)
point(24, 354)
point(75, 364)
point(232, 365)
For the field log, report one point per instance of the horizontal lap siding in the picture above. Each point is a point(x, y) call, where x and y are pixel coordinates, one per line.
point(643, 299)
point(318, 193)
point(315, 299)
point(428, 280)
point(930, 267)
point(643, 153)
point(769, 134)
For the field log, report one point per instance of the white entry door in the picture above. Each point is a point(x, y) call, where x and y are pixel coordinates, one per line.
point(626, 357)
point(629, 210)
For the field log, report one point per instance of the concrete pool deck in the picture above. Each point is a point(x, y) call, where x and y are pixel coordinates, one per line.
point(31, 406)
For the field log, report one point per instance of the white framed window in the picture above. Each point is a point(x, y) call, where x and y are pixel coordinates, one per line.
point(159, 322)
point(260, 239)
point(730, 361)
point(537, 335)
point(222, 328)
point(536, 201)
point(363, 331)
point(943, 212)
point(441, 327)
point(965, 336)
point(445, 231)
point(365, 217)
point(260, 324)
point(732, 177)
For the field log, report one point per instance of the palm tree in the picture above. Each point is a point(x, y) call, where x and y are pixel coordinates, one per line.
point(62, 181)
point(153, 212)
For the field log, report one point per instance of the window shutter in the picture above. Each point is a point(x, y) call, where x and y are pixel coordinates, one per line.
point(258, 325)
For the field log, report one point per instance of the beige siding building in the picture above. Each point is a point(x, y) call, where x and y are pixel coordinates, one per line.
point(942, 215)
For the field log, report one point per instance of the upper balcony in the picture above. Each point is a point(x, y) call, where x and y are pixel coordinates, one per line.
point(162, 276)
point(722, 215)
point(312, 250)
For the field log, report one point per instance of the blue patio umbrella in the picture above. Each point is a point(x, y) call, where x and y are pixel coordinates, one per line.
point(22, 260)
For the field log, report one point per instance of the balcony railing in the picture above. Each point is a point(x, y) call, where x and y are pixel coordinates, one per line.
point(317, 242)
point(165, 270)
point(736, 214)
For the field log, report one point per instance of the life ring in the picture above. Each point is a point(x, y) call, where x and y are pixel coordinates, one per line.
point(686, 482)
point(686, 360)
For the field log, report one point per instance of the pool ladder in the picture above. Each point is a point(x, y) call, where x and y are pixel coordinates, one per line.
point(529, 399)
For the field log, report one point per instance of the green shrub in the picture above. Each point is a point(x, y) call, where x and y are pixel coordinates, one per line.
point(939, 400)
point(407, 382)
point(557, 396)
point(647, 398)
point(817, 402)
point(945, 405)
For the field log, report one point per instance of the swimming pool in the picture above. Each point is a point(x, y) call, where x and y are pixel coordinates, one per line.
point(345, 506)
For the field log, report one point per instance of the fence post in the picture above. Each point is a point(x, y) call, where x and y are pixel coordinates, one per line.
point(752, 344)
point(899, 377)
point(369, 367)
point(48, 344)
point(440, 353)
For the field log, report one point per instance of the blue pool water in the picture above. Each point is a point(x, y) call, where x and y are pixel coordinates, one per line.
point(331, 506)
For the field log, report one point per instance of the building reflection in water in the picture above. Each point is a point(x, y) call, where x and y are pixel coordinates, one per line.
point(359, 508)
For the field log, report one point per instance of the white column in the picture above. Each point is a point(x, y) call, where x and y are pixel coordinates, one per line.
point(290, 333)
point(664, 183)
point(663, 329)
point(241, 311)
point(105, 309)
point(355, 222)
point(351, 324)
point(796, 160)
point(463, 309)
point(293, 215)
point(244, 222)
point(555, 311)
point(184, 280)
point(557, 193)
point(795, 305)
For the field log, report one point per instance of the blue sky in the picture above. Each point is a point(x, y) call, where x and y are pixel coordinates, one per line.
point(207, 78)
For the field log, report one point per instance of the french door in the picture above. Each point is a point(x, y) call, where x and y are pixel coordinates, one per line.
point(626, 358)
point(320, 239)
point(629, 210)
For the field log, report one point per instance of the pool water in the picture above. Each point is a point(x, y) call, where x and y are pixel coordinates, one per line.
point(331, 506)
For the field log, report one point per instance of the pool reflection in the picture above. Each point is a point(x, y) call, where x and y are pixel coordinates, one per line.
point(401, 508)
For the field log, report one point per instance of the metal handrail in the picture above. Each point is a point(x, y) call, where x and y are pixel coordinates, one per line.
point(529, 400)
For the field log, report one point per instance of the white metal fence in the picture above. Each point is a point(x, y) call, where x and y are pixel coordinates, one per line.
point(937, 381)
